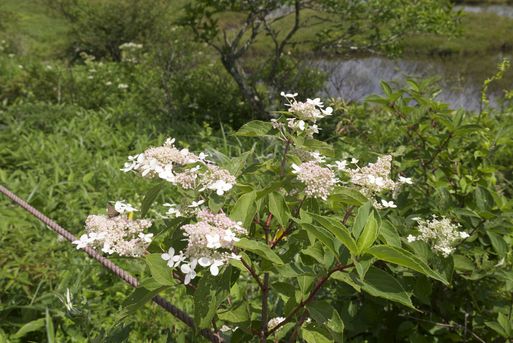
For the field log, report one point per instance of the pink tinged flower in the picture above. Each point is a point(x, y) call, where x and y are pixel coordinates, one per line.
point(168, 255)
point(188, 270)
point(229, 236)
point(213, 241)
point(205, 261)
point(341, 165)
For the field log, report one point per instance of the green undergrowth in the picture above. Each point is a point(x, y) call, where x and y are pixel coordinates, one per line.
point(65, 162)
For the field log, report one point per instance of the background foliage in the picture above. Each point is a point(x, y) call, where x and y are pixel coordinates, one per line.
point(74, 105)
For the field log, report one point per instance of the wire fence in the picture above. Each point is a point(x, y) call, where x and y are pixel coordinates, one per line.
point(120, 272)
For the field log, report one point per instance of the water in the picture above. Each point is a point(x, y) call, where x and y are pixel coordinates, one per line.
point(502, 10)
point(460, 78)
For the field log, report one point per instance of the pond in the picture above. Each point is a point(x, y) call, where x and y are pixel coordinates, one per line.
point(460, 78)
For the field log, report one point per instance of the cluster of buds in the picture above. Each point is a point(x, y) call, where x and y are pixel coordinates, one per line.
point(440, 233)
point(318, 180)
point(180, 167)
point(374, 179)
point(209, 244)
point(117, 233)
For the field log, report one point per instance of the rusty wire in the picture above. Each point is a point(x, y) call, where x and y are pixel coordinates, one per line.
point(123, 274)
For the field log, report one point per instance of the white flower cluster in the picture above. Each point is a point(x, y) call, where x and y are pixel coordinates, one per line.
point(181, 167)
point(209, 244)
point(305, 115)
point(441, 234)
point(118, 234)
point(374, 178)
point(319, 181)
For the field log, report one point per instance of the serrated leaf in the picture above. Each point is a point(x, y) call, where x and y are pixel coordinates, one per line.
point(259, 249)
point(404, 258)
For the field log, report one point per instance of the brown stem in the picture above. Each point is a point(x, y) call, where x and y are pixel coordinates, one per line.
point(253, 273)
point(284, 159)
point(311, 296)
point(265, 286)
point(349, 210)
point(289, 228)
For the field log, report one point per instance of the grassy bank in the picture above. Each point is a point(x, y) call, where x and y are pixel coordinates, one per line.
point(39, 32)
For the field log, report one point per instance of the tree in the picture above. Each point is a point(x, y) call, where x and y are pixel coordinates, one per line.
point(338, 26)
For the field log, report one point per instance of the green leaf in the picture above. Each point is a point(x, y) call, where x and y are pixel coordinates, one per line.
point(140, 296)
point(255, 128)
point(389, 234)
point(381, 284)
point(159, 270)
point(320, 146)
point(322, 235)
point(347, 196)
point(369, 234)
point(149, 198)
point(236, 314)
point(338, 229)
point(32, 326)
point(50, 332)
point(324, 314)
point(210, 293)
point(315, 335)
point(498, 243)
point(259, 249)
point(404, 258)
point(244, 209)
point(346, 277)
point(279, 208)
point(361, 219)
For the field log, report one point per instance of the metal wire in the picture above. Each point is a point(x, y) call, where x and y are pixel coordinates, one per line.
point(123, 274)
